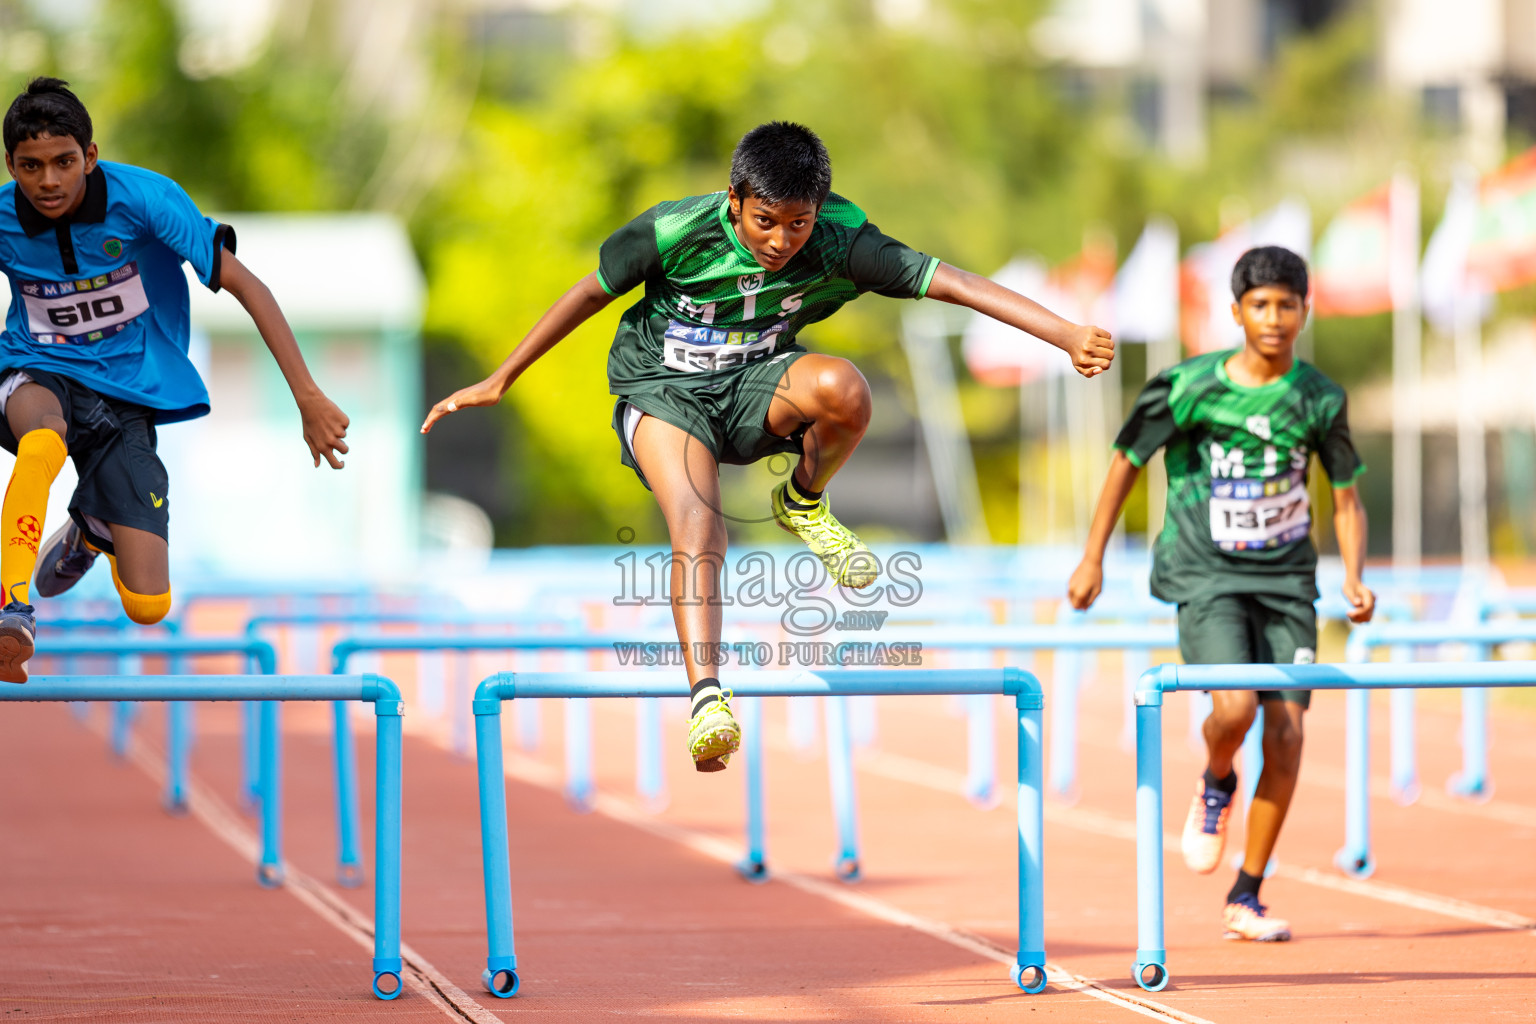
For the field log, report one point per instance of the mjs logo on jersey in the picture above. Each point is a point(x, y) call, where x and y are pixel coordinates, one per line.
point(113, 247)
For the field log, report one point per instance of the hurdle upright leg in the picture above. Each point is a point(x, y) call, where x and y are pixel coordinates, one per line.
point(250, 754)
point(579, 786)
point(1066, 672)
point(270, 872)
point(1472, 782)
point(844, 797)
point(1405, 741)
point(387, 963)
point(500, 975)
point(981, 748)
point(1355, 859)
point(1150, 970)
point(650, 772)
point(1029, 969)
point(349, 861)
point(177, 712)
point(754, 866)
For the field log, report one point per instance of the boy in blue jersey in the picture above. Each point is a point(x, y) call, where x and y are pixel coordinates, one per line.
point(94, 356)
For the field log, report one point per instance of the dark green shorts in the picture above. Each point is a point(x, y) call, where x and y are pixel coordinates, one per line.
point(728, 416)
point(1250, 629)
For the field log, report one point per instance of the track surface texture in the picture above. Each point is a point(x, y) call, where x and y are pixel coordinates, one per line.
point(111, 910)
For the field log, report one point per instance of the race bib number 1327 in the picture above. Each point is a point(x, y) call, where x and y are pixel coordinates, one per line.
point(85, 311)
point(1250, 514)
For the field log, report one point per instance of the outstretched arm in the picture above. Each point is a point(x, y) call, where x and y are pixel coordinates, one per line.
point(1090, 348)
point(1349, 526)
point(583, 301)
point(325, 426)
point(1088, 579)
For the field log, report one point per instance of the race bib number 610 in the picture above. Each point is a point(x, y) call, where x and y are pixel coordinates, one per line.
point(85, 311)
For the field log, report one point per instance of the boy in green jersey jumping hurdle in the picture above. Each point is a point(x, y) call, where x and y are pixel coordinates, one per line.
point(1236, 553)
point(707, 369)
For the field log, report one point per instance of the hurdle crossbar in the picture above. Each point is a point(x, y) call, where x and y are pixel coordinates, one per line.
point(500, 975)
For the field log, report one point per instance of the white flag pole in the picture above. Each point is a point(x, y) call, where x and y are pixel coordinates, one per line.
point(1407, 345)
point(1471, 439)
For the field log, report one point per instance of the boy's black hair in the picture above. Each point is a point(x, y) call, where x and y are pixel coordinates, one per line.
point(1269, 264)
point(781, 162)
point(46, 108)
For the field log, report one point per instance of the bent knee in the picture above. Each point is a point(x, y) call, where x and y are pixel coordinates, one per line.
point(146, 609)
point(843, 392)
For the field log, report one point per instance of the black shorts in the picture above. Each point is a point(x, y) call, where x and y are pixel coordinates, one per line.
point(729, 417)
point(1250, 629)
point(112, 444)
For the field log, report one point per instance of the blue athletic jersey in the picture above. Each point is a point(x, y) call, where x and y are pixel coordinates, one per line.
point(100, 297)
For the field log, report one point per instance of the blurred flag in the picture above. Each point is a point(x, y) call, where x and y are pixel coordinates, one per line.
point(996, 354)
point(1146, 291)
point(1351, 274)
point(1001, 356)
point(1205, 276)
point(1503, 247)
point(1443, 278)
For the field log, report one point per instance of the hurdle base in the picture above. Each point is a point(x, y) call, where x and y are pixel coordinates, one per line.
point(1151, 969)
point(1029, 972)
point(500, 976)
point(754, 871)
point(349, 875)
point(1355, 863)
point(388, 967)
point(1473, 790)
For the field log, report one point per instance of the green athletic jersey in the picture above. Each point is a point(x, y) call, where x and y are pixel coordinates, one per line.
point(708, 306)
point(1239, 519)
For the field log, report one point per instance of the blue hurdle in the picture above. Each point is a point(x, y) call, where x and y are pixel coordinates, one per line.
point(1473, 781)
point(349, 870)
point(1059, 638)
point(122, 712)
point(500, 975)
point(579, 787)
point(1150, 970)
point(258, 654)
point(578, 756)
point(269, 690)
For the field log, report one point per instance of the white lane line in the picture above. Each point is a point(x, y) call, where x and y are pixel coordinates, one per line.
point(910, 770)
point(527, 770)
point(419, 973)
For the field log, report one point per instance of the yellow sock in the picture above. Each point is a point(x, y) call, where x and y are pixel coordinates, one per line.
point(39, 457)
point(145, 609)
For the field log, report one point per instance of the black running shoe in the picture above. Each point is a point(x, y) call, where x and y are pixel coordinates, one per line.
point(64, 560)
point(18, 632)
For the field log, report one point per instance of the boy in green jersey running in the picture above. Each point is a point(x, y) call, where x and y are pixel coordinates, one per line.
point(1236, 553)
point(707, 369)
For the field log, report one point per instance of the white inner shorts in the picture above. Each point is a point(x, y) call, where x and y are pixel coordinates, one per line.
point(632, 418)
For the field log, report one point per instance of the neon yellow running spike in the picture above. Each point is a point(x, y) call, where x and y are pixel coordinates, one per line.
point(846, 557)
point(713, 735)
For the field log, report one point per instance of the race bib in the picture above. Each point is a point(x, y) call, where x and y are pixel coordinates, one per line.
point(697, 349)
point(85, 311)
point(1248, 515)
